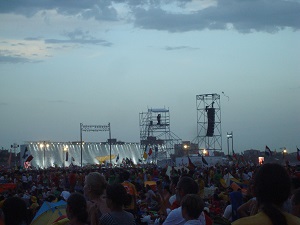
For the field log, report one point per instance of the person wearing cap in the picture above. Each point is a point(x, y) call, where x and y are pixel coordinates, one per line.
point(65, 195)
point(185, 185)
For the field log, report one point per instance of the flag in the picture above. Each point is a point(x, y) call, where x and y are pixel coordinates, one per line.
point(145, 155)
point(148, 152)
point(234, 155)
point(29, 158)
point(229, 157)
point(298, 154)
point(242, 158)
point(191, 165)
point(268, 151)
point(168, 172)
point(117, 159)
point(67, 155)
point(204, 161)
point(238, 161)
point(25, 155)
point(9, 159)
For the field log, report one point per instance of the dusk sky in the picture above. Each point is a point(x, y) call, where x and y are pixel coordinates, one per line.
point(66, 62)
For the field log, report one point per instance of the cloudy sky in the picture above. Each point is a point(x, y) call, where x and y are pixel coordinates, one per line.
point(68, 62)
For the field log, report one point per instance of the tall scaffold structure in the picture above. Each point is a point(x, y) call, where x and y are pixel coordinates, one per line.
point(209, 132)
point(155, 133)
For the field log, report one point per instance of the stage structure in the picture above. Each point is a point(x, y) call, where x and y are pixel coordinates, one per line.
point(155, 133)
point(209, 133)
point(94, 128)
point(49, 154)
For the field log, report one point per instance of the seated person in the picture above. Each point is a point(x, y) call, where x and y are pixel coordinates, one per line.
point(77, 209)
point(296, 203)
point(116, 198)
point(192, 206)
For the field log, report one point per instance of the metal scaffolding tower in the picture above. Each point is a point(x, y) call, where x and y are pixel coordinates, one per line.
point(155, 133)
point(209, 133)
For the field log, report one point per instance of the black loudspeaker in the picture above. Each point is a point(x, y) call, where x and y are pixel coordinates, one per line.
point(211, 122)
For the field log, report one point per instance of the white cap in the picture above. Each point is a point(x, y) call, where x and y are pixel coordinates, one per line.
point(65, 195)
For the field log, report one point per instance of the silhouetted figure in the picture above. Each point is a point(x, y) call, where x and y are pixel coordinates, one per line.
point(116, 198)
point(272, 186)
point(15, 211)
point(77, 209)
point(192, 206)
point(158, 119)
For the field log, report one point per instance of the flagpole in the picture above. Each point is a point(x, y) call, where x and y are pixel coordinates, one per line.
point(14, 146)
point(227, 144)
point(109, 143)
point(231, 140)
point(81, 144)
point(44, 145)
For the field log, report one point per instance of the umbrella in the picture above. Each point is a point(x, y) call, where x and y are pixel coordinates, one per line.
point(49, 213)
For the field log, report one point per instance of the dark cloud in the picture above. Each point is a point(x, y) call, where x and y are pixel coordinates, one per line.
point(58, 101)
point(78, 41)
point(78, 37)
point(32, 39)
point(242, 15)
point(73, 37)
point(9, 57)
point(13, 59)
point(99, 10)
point(169, 48)
point(159, 19)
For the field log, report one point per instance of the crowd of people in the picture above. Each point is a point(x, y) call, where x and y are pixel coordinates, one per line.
point(94, 195)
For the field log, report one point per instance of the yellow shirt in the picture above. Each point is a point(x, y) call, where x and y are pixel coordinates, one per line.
point(224, 196)
point(201, 185)
point(130, 188)
point(262, 219)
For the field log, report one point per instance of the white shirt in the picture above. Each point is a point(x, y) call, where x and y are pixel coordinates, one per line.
point(245, 176)
point(193, 222)
point(172, 199)
point(175, 218)
point(228, 212)
point(29, 178)
point(24, 179)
